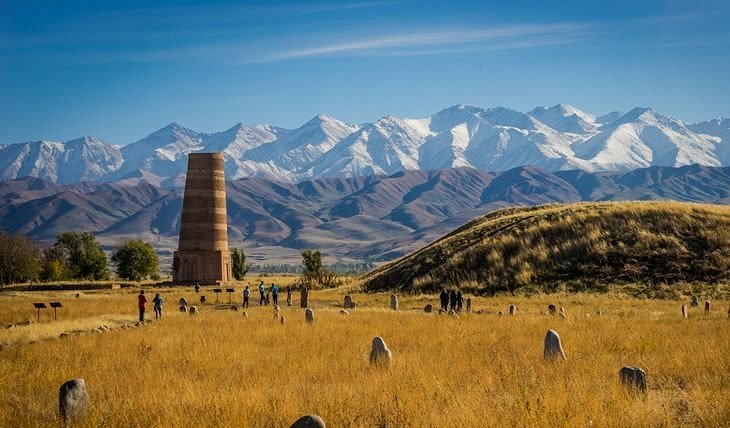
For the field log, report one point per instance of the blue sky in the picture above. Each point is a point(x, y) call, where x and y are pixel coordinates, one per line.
point(118, 70)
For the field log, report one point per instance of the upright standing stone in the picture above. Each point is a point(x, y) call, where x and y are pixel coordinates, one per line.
point(428, 308)
point(553, 348)
point(708, 306)
point(304, 297)
point(202, 253)
point(348, 302)
point(513, 309)
point(468, 305)
point(394, 302)
point(379, 352)
point(633, 377)
point(684, 311)
point(309, 421)
point(73, 399)
point(309, 315)
point(695, 301)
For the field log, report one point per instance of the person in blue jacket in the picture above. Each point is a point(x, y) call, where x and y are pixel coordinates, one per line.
point(157, 301)
point(262, 291)
point(275, 293)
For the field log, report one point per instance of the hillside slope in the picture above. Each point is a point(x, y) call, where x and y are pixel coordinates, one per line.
point(587, 244)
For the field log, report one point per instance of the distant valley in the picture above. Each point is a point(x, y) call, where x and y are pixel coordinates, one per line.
point(375, 217)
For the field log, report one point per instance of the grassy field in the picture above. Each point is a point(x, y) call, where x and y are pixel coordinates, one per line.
point(223, 369)
point(579, 246)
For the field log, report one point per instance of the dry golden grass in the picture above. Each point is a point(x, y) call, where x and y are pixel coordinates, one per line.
point(221, 369)
point(582, 246)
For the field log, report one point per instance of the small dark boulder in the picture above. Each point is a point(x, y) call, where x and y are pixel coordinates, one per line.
point(309, 421)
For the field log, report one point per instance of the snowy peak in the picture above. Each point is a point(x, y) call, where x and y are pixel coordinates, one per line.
point(327, 127)
point(294, 151)
point(643, 137)
point(565, 118)
point(640, 114)
point(454, 116)
point(319, 120)
point(81, 159)
point(560, 137)
point(168, 141)
point(508, 117)
point(237, 140)
point(716, 127)
point(719, 130)
point(562, 111)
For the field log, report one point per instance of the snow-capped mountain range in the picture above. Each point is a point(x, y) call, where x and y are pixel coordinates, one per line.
point(561, 137)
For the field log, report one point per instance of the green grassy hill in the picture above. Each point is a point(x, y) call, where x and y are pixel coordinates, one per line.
point(579, 245)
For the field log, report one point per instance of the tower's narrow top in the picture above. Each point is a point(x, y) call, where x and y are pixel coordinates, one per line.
point(208, 161)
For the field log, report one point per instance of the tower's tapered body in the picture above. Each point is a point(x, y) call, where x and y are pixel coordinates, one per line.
point(202, 254)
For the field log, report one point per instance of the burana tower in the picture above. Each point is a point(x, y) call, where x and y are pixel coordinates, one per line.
point(202, 254)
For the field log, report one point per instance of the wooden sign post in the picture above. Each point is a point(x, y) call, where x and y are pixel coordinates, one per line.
point(39, 306)
point(55, 305)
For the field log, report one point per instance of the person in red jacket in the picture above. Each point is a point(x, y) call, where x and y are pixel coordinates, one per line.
point(142, 304)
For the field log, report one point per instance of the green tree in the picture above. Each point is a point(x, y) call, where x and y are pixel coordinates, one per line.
point(19, 259)
point(314, 274)
point(82, 255)
point(238, 260)
point(54, 265)
point(136, 260)
point(312, 261)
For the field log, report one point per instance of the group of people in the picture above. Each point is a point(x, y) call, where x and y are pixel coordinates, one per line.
point(270, 296)
point(142, 305)
point(451, 301)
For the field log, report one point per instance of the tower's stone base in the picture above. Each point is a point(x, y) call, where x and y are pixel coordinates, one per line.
point(201, 266)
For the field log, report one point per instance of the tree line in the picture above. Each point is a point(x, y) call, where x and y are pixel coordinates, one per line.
point(78, 256)
point(74, 256)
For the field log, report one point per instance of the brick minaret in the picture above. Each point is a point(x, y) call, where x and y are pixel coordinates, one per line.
point(202, 254)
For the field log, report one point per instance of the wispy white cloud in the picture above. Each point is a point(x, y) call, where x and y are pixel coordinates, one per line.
point(220, 50)
point(427, 42)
